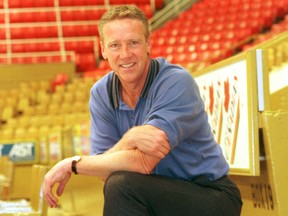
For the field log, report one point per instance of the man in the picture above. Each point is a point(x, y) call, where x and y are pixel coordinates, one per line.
point(150, 138)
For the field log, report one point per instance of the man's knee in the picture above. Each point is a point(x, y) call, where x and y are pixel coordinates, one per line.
point(117, 183)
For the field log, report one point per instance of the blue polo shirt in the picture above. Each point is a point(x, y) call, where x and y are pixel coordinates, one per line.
point(170, 100)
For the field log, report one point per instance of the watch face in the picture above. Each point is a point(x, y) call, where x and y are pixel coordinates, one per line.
point(76, 158)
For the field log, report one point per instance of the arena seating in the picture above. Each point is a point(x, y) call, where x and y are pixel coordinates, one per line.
point(34, 205)
point(276, 29)
point(213, 30)
point(56, 26)
point(210, 31)
point(206, 33)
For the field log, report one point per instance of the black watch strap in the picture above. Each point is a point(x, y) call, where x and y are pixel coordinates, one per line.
point(75, 160)
point(74, 169)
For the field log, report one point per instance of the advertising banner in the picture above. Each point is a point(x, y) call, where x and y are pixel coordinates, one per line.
point(20, 152)
point(230, 98)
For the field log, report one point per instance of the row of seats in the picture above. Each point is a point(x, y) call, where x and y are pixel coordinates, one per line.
point(70, 14)
point(276, 29)
point(32, 203)
point(42, 98)
point(81, 45)
point(83, 61)
point(66, 14)
point(209, 32)
point(63, 3)
point(50, 31)
point(28, 27)
point(49, 57)
point(196, 35)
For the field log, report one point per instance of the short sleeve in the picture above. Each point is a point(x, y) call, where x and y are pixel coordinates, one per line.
point(176, 106)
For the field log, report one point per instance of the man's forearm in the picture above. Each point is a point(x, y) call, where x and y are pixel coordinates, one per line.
point(147, 139)
point(124, 160)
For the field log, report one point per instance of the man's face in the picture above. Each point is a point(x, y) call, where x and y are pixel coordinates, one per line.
point(126, 49)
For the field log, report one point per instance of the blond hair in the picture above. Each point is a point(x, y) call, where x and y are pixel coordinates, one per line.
point(122, 12)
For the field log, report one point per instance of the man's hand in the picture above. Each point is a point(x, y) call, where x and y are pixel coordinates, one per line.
point(148, 146)
point(147, 139)
point(60, 173)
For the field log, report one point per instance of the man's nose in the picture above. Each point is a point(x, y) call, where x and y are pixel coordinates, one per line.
point(125, 51)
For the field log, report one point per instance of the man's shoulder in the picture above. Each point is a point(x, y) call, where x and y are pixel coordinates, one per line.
point(103, 81)
point(170, 68)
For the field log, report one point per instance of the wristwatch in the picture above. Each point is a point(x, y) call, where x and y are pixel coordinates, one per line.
point(75, 160)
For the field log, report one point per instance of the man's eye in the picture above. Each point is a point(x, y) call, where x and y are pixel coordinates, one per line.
point(114, 46)
point(134, 43)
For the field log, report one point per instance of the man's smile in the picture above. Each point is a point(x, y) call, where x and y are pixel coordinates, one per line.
point(128, 65)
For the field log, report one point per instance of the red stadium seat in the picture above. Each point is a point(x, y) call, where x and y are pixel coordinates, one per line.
point(52, 46)
point(67, 15)
point(157, 51)
point(282, 7)
point(83, 30)
point(15, 17)
point(80, 14)
point(95, 14)
point(18, 48)
point(66, 2)
point(3, 60)
point(17, 33)
point(28, 3)
point(46, 31)
point(79, 30)
point(159, 4)
point(104, 65)
point(14, 4)
point(69, 31)
point(34, 32)
point(85, 62)
point(80, 46)
point(44, 3)
point(3, 48)
point(2, 33)
point(43, 47)
point(94, 2)
point(2, 18)
point(45, 16)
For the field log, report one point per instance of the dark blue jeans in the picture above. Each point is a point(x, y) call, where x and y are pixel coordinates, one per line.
point(128, 193)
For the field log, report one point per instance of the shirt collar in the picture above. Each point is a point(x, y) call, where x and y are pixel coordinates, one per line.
point(115, 83)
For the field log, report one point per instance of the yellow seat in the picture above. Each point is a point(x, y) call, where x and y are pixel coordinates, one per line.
point(7, 133)
point(57, 97)
point(66, 108)
point(45, 85)
point(35, 206)
point(41, 109)
point(43, 97)
point(11, 101)
point(23, 121)
point(32, 132)
point(23, 104)
point(8, 112)
point(29, 111)
point(54, 108)
point(6, 174)
point(69, 97)
point(12, 123)
point(20, 133)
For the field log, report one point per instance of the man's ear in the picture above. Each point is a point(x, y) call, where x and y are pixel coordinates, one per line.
point(103, 50)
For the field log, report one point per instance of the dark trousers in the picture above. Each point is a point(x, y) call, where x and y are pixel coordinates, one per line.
point(128, 193)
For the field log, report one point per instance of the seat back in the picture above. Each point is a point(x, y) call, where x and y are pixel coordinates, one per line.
point(37, 201)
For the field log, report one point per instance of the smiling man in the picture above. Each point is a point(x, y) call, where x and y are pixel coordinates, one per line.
point(150, 137)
